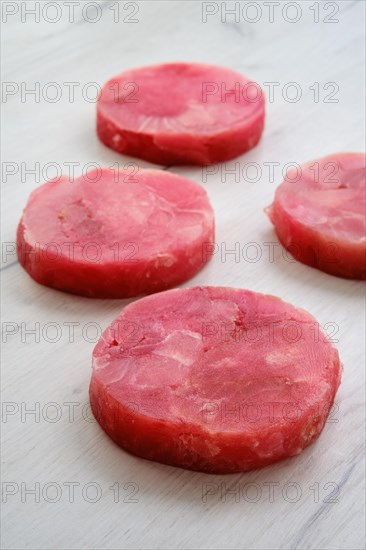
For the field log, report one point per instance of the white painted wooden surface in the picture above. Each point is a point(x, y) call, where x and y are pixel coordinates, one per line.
point(170, 511)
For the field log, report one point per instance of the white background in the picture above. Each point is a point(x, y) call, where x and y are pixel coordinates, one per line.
point(170, 512)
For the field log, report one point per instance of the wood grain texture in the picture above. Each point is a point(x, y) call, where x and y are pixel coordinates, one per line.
point(175, 508)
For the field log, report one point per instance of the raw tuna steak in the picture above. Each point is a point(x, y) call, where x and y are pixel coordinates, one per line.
point(180, 113)
point(114, 235)
point(320, 214)
point(213, 379)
